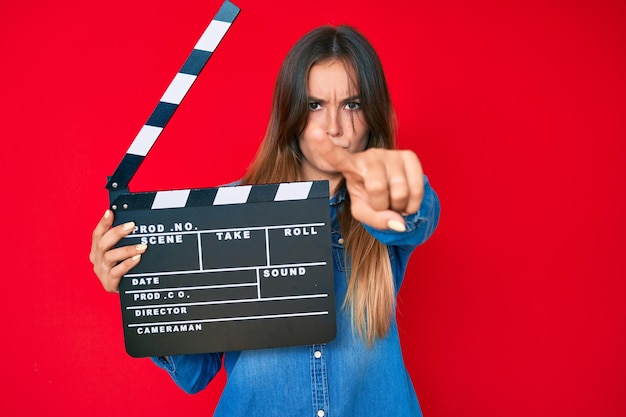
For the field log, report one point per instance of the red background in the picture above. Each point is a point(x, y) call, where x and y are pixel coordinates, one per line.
point(517, 110)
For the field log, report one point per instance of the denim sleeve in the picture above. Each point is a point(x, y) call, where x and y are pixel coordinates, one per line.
point(419, 226)
point(192, 373)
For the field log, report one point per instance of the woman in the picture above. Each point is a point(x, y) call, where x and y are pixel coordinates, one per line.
point(331, 119)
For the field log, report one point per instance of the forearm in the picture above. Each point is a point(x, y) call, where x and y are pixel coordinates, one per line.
point(192, 373)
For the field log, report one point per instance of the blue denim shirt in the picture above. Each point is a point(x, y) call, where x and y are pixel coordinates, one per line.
point(341, 378)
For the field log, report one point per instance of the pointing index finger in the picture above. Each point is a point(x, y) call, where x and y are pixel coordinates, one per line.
point(338, 157)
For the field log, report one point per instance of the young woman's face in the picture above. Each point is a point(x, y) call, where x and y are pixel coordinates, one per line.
point(334, 113)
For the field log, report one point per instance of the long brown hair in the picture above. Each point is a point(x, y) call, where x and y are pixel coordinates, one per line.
point(371, 292)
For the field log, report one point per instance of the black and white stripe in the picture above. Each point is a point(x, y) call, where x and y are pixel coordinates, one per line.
point(240, 194)
point(173, 96)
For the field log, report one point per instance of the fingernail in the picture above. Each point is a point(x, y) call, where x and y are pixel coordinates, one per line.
point(128, 226)
point(396, 225)
point(107, 214)
point(136, 257)
point(141, 247)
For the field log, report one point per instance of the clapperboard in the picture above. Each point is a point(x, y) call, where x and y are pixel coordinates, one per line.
point(227, 268)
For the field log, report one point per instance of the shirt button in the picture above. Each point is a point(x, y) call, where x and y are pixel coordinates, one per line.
point(341, 241)
point(317, 355)
point(321, 413)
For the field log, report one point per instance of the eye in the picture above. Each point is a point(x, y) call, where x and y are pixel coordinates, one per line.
point(353, 106)
point(314, 106)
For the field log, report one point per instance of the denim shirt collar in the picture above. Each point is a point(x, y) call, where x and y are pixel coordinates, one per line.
point(338, 197)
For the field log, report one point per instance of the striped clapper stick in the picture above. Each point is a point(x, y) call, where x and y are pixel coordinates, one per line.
point(172, 98)
point(227, 268)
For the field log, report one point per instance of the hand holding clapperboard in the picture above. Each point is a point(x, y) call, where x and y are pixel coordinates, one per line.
point(227, 268)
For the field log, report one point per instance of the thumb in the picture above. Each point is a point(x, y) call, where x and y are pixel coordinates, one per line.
point(382, 220)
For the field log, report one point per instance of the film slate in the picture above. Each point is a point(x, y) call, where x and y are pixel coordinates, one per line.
point(227, 268)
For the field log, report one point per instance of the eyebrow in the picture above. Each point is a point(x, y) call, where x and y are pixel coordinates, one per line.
point(345, 100)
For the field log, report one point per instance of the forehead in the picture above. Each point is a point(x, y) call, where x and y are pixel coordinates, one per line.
point(332, 78)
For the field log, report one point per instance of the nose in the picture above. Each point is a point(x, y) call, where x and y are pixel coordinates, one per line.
point(334, 129)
